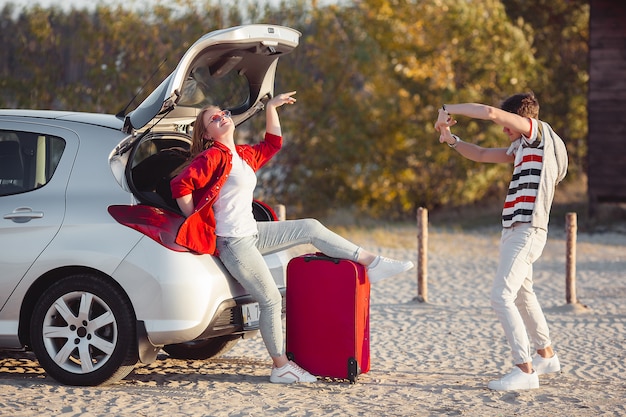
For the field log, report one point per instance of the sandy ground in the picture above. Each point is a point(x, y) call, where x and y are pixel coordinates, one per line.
point(428, 359)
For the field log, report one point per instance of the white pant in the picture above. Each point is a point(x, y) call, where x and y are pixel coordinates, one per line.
point(512, 295)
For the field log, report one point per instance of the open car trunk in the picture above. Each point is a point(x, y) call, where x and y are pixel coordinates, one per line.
point(232, 68)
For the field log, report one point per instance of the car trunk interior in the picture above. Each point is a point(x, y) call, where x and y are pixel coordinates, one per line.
point(154, 163)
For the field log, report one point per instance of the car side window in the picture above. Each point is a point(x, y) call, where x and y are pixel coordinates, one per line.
point(27, 160)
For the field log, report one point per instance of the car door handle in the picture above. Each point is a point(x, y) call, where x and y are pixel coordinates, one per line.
point(23, 215)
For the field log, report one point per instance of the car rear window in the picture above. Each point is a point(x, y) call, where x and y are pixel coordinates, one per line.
point(228, 91)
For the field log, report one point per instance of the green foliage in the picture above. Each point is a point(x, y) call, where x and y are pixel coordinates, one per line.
point(561, 48)
point(370, 75)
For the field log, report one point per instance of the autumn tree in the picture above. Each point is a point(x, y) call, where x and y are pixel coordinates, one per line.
point(560, 45)
point(370, 75)
point(370, 78)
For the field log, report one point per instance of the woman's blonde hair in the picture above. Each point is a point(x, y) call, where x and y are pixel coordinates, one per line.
point(198, 143)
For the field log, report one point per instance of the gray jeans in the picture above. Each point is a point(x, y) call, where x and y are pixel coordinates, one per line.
point(243, 257)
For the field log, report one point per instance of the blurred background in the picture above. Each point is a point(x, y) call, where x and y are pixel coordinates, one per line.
point(370, 76)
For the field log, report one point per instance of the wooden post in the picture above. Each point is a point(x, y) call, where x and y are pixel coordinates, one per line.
point(422, 255)
point(570, 259)
point(280, 211)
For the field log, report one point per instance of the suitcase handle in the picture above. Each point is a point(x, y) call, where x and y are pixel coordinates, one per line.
point(321, 257)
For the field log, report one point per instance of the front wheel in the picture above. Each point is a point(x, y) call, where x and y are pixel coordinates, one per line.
point(83, 331)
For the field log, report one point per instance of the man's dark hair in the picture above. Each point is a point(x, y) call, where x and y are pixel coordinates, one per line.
point(524, 104)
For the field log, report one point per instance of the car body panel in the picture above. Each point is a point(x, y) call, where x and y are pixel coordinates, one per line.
point(199, 283)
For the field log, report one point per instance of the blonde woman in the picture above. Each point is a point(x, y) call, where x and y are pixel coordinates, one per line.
point(215, 192)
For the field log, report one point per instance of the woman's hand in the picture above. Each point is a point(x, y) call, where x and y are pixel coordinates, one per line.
point(272, 122)
point(280, 99)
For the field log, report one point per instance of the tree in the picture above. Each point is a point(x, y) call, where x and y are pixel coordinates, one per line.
point(561, 39)
point(370, 78)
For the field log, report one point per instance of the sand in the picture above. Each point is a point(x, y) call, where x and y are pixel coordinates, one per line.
point(428, 359)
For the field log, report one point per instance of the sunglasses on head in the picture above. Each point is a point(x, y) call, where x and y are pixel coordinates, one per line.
point(219, 116)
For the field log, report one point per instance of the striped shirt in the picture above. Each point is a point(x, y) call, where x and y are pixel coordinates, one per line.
point(520, 200)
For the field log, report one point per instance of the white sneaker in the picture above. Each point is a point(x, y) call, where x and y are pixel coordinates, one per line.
point(383, 268)
point(290, 373)
point(546, 365)
point(515, 380)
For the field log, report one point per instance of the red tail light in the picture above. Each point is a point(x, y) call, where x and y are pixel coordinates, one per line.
point(158, 224)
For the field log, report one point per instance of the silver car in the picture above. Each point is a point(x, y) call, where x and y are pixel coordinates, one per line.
point(92, 281)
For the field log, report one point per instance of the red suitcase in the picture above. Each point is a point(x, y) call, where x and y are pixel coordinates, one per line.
point(327, 315)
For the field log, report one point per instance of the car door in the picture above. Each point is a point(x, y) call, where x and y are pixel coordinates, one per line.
point(35, 164)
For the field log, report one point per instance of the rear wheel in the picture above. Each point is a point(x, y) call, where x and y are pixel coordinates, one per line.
point(83, 331)
point(202, 349)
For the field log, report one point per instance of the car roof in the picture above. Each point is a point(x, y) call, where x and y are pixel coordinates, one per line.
point(97, 119)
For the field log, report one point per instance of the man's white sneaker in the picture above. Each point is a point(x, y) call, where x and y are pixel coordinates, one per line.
point(383, 268)
point(546, 365)
point(515, 380)
point(290, 373)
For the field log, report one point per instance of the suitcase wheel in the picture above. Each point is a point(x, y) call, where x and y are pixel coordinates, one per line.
point(353, 370)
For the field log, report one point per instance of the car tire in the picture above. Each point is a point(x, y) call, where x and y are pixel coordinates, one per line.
point(202, 349)
point(83, 331)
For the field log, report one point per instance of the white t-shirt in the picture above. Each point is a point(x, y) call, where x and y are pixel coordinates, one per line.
point(233, 207)
point(523, 188)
